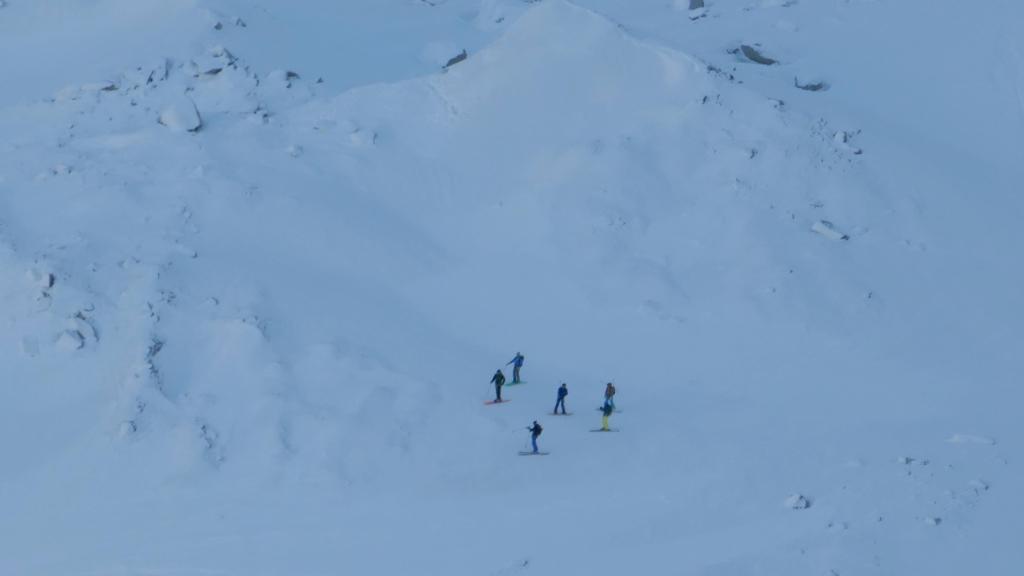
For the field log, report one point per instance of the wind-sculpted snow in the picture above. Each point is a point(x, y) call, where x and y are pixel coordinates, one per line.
point(249, 321)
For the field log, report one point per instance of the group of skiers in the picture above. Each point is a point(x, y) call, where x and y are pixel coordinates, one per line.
point(535, 429)
point(499, 377)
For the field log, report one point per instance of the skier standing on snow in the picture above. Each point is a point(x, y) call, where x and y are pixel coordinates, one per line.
point(498, 380)
point(606, 411)
point(563, 391)
point(516, 363)
point(609, 395)
point(535, 431)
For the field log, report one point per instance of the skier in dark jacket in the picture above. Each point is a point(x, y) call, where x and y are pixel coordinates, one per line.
point(516, 363)
point(609, 395)
point(498, 380)
point(563, 391)
point(535, 431)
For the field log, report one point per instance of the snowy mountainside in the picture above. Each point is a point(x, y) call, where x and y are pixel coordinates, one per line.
point(250, 315)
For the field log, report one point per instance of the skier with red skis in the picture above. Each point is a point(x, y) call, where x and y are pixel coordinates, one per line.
point(498, 380)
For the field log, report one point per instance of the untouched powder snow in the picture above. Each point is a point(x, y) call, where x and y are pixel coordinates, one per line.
point(249, 316)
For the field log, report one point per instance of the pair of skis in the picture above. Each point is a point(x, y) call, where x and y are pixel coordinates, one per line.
point(527, 453)
point(490, 402)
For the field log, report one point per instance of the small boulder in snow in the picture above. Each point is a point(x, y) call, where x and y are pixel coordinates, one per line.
point(181, 115)
point(933, 520)
point(797, 502)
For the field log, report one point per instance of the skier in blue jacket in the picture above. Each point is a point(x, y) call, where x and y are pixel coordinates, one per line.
point(563, 391)
point(516, 363)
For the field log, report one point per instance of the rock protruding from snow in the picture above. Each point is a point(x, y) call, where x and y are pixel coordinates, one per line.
point(42, 279)
point(81, 324)
point(282, 78)
point(843, 140)
point(127, 428)
point(70, 340)
point(797, 502)
point(691, 5)
point(756, 56)
point(828, 230)
point(456, 59)
point(812, 85)
point(181, 115)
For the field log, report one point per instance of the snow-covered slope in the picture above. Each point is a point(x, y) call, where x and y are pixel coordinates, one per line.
point(258, 262)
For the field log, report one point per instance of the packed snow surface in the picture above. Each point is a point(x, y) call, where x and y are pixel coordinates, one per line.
point(259, 260)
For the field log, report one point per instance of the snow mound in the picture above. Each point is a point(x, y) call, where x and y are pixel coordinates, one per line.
point(180, 115)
